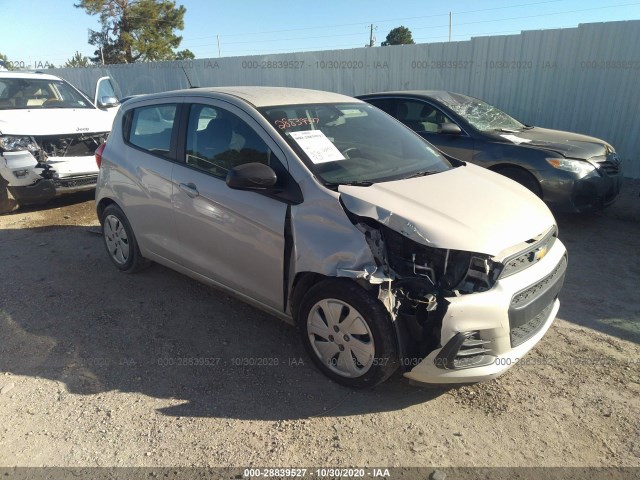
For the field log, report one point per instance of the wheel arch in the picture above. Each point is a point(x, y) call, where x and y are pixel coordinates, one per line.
point(103, 204)
point(503, 166)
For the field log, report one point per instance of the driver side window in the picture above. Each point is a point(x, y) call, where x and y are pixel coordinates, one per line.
point(218, 140)
point(421, 116)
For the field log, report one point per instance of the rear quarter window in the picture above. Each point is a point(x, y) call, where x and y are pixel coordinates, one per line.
point(150, 128)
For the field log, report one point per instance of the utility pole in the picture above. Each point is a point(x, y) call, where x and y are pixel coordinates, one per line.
point(372, 39)
point(218, 38)
point(449, 26)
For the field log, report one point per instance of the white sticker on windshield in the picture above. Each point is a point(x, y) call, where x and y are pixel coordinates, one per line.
point(317, 146)
point(515, 139)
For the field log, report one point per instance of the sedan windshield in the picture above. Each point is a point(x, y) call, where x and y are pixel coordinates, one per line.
point(354, 143)
point(481, 115)
point(36, 93)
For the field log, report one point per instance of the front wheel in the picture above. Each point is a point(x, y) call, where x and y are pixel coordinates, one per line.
point(348, 333)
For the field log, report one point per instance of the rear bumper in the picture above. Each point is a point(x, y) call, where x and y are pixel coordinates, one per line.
point(499, 326)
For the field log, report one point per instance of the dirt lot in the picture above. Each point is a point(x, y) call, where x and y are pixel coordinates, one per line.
point(99, 368)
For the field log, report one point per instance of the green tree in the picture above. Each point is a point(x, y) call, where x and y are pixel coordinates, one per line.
point(399, 36)
point(5, 61)
point(78, 60)
point(185, 54)
point(135, 30)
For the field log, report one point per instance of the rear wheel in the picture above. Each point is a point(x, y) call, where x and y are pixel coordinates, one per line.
point(120, 241)
point(348, 333)
point(7, 202)
point(523, 177)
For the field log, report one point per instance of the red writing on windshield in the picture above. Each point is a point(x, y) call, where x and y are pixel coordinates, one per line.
point(294, 122)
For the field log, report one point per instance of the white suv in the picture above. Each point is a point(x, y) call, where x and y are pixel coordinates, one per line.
point(49, 131)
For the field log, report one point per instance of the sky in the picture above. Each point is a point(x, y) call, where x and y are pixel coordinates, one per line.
point(38, 31)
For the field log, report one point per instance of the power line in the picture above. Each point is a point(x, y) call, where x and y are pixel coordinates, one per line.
point(429, 27)
point(379, 21)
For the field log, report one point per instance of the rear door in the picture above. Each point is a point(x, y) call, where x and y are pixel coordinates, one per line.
point(233, 237)
point(144, 184)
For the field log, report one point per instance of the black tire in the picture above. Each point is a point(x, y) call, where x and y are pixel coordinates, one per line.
point(362, 308)
point(523, 177)
point(114, 222)
point(7, 202)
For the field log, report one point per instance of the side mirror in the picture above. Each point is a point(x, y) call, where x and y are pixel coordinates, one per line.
point(449, 129)
point(251, 176)
point(107, 102)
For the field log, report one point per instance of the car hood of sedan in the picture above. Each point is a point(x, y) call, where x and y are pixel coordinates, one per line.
point(570, 145)
point(466, 208)
point(55, 121)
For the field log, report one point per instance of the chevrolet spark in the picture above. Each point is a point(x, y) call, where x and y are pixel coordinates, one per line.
point(326, 212)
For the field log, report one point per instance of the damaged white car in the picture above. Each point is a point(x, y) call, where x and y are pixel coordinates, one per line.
point(328, 213)
point(49, 132)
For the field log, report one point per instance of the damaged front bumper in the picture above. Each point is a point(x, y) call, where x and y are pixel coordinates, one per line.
point(60, 166)
point(483, 334)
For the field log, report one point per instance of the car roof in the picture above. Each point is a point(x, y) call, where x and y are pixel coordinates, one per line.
point(261, 96)
point(13, 74)
point(432, 94)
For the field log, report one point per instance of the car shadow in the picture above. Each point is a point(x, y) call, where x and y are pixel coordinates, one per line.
point(58, 202)
point(601, 287)
point(68, 315)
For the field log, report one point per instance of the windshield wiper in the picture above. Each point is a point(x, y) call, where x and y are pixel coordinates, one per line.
point(507, 130)
point(422, 174)
point(358, 183)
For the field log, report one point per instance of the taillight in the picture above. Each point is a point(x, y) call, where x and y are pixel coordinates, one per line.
point(98, 154)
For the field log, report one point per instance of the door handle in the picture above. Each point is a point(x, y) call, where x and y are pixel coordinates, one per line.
point(190, 189)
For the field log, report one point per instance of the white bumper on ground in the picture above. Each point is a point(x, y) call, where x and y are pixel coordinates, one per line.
point(487, 314)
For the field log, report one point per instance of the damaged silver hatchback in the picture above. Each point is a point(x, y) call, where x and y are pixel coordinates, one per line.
point(330, 214)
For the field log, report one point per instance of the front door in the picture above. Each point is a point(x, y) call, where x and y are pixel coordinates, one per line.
point(233, 237)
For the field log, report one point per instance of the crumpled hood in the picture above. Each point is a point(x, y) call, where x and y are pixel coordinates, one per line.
point(56, 121)
point(571, 145)
point(467, 208)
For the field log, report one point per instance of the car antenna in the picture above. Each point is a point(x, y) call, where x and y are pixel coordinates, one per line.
point(188, 81)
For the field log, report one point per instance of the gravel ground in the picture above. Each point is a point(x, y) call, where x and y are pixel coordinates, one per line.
point(99, 368)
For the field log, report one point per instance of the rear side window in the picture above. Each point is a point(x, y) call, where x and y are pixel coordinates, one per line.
point(150, 128)
point(421, 116)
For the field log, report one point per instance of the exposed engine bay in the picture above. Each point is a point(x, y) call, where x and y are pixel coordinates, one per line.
point(78, 145)
point(417, 281)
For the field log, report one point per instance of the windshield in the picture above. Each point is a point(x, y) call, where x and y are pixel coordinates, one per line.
point(36, 93)
point(481, 115)
point(354, 143)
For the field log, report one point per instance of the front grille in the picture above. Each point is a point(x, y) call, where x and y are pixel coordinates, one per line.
point(608, 164)
point(524, 332)
point(75, 182)
point(536, 250)
point(528, 307)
